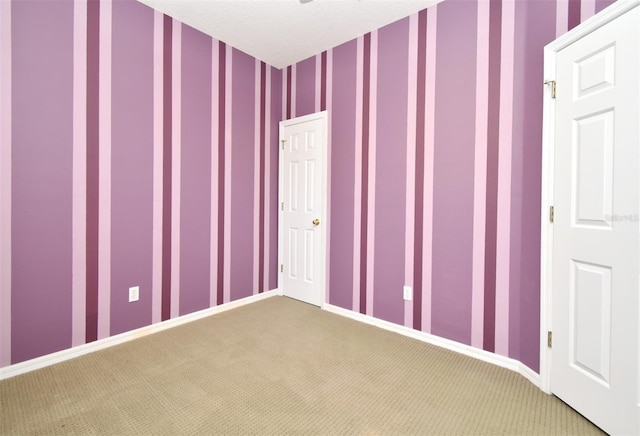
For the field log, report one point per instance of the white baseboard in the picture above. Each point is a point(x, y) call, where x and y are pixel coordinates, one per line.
point(81, 350)
point(467, 350)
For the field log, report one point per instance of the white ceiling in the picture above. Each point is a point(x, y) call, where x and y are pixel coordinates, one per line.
point(283, 32)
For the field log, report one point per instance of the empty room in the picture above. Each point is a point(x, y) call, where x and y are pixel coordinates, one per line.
point(319, 217)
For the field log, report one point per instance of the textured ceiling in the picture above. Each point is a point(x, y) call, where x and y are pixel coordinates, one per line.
point(283, 32)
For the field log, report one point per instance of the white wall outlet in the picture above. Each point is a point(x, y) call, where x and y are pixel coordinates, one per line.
point(407, 293)
point(134, 293)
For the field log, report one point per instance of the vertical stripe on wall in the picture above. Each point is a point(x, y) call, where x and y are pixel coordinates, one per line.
point(263, 229)
point(222, 146)
point(266, 197)
point(410, 239)
point(324, 85)
point(343, 85)
point(276, 114)
point(5, 183)
point(215, 171)
point(480, 175)
point(176, 164)
point(318, 81)
point(92, 169)
point(293, 94)
point(359, 299)
point(227, 173)
point(41, 178)
point(158, 156)
point(453, 171)
point(587, 9)
point(244, 171)
point(562, 17)
point(327, 104)
point(257, 179)
point(495, 34)
point(419, 169)
point(371, 119)
point(429, 151)
point(503, 236)
point(365, 289)
point(287, 86)
point(574, 12)
point(79, 213)
point(131, 164)
point(388, 168)
point(306, 87)
point(104, 172)
point(167, 111)
point(196, 171)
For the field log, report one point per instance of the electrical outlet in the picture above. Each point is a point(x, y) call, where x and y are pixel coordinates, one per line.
point(407, 293)
point(134, 293)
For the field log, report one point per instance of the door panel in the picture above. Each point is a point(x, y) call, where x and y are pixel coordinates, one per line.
point(302, 209)
point(596, 246)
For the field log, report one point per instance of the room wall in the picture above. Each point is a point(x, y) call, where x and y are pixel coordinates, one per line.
point(435, 167)
point(135, 151)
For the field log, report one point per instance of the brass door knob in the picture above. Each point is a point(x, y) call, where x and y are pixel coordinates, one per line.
point(316, 222)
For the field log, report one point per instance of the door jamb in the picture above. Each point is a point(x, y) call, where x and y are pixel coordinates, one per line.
point(548, 146)
point(322, 276)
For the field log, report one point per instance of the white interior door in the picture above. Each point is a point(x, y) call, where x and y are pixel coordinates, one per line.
point(302, 207)
point(596, 264)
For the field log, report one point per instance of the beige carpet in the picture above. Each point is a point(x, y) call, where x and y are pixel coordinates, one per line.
point(279, 367)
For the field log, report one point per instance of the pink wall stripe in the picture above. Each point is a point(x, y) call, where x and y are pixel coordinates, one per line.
point(429, 147)
point(158, 156)
point(256, 179)
point(318, 94)
point(412, 102)
point(176, 165)
point(5, 183)
point(267, 177)
point(79, 202)
point(329, 108)
point(371, 189)
point(503, 238)
point(587, 9)
point(294, 86)
point(227, 174)
point(562, 17)
point(480, 176)
point(215, 130)
point(104, 218)
point(357, 196)
point(285, 73)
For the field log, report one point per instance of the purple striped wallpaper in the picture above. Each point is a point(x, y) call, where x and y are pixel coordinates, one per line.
point(459, 148)
point(130, 136)
point(137, 151)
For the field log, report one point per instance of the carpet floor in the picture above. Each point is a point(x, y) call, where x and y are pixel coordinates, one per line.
point(279, 367)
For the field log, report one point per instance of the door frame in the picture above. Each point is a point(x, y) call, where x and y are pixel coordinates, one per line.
point(324, 200)
point(548, 151)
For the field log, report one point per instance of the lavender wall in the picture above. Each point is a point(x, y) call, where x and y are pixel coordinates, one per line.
point(144, 153)
point(436, 124)
point(42, 114)
point(119, 116)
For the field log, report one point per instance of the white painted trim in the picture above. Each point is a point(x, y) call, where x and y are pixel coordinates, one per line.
point(324, 198)
point(548, 145)
point(101, 344)
point(467, 350)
